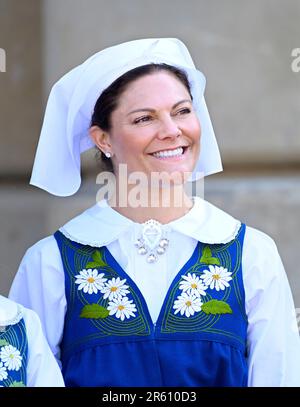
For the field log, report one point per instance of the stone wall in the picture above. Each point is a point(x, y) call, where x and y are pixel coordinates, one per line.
point(20, 86)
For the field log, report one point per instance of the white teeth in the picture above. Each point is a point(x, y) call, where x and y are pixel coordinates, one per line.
point(169, 153)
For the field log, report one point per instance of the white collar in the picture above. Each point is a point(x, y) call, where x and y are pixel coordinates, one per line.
point(10, 312)
point(100, 225)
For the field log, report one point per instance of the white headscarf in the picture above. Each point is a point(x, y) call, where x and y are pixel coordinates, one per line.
point(65, 130)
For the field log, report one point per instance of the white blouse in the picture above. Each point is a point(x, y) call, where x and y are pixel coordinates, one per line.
point(273, 338)
point(42, 368)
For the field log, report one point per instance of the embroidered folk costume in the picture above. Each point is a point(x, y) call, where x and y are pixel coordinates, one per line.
point(25, 357)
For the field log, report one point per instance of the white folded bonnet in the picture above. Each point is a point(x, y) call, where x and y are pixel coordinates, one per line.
point(65, 131)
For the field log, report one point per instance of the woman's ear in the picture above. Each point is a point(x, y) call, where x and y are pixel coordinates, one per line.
point(100, 138)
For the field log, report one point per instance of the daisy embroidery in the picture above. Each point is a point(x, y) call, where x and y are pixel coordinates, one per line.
point(187, 304)
point(115, 288)
point(3, 372)
point(11, 357)
point(192, 284)
point(216, 277)
point(90, 281)
point(121, 307)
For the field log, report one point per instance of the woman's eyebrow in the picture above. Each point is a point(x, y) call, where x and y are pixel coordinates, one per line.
point(148, 109)
point(181, 101)
point(144, 109)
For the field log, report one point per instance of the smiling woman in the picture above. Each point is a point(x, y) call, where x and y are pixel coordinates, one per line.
point(127, 292)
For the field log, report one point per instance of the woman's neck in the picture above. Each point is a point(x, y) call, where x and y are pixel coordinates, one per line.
point(164, 207)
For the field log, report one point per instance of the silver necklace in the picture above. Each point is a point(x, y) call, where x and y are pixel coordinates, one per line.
point(152, 242)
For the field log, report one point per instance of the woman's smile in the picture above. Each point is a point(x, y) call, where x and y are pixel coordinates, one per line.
point(172, 154)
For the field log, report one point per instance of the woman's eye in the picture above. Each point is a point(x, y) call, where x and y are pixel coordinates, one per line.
point(185, 110)
point(142, 119)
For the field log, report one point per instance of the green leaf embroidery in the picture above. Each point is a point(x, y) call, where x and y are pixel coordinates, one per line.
point(17, 384)
point(94, 311)
point(3, 342)
point(98, 261)
point(207, 257)
point(92, 265)
point(216, 307)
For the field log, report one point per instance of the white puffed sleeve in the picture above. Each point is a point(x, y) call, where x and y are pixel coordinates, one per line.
point(42, 368)
point(273, 337)
point(39, 285)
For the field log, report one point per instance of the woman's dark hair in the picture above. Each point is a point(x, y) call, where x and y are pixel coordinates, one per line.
point(109, 98)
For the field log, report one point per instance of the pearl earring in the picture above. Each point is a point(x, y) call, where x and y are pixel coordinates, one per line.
point(107, 154)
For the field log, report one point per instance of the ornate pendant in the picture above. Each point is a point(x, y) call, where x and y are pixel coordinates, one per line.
point(152, 243)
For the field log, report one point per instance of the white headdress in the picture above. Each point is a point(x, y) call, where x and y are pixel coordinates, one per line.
point(70, 106)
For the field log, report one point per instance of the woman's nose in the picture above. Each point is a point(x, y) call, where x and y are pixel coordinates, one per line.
point(168, 129)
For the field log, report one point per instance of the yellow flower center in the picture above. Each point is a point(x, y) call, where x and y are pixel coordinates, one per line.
point(194, 285)
point(216, 277)
point(188, 303)
point(113, 289)
point(11, 356)
point(91, 280)
point(121, 307)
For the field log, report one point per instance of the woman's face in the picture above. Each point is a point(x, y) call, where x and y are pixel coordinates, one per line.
point(155, 128)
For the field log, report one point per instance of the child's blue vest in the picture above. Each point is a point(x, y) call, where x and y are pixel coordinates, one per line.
point(13, 355)
point(110, 340)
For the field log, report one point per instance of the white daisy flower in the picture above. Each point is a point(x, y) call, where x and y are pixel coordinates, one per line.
point(11, 357)
point(90, 281)
point(216, 277)
point(115, 288)
point(3, 372)
point(187, 304)
point(122, 307)
point(192, 284)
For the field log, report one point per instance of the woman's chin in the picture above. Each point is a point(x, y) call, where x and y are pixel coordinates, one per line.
point(169, 178)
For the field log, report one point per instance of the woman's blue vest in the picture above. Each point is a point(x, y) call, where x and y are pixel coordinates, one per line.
point(109, 338)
